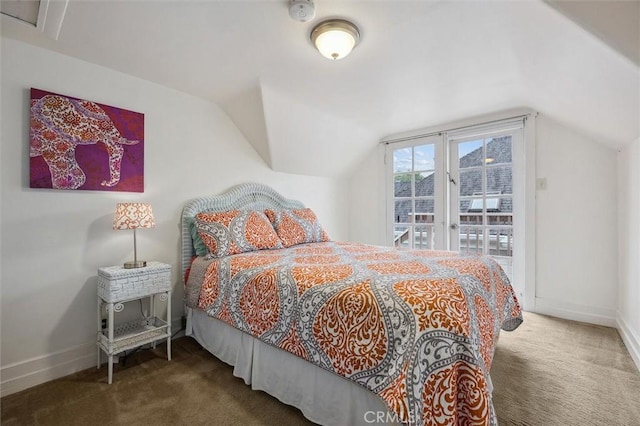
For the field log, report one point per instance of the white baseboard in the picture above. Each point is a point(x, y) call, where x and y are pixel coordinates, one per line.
point(25, 374)
point(574, 312)
point(631, 340)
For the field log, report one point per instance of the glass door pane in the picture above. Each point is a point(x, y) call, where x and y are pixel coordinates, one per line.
point(414, 196)
point(481, 188)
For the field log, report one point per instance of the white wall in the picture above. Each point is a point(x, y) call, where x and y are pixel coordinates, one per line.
point(577, 226)
point(576, 222)
point(53, 241)
point(367, 200)
point(629, 248)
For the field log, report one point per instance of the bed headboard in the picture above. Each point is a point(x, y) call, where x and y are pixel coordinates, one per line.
point(246, 196)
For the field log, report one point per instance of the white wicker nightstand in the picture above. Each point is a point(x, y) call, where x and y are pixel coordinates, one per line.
point(117, 285)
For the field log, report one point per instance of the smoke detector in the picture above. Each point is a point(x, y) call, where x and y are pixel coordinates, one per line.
point(302, 10)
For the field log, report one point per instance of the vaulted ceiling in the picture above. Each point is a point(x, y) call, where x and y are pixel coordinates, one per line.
point(419, 64)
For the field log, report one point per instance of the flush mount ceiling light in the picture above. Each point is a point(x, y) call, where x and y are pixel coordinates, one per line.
point(335, 38)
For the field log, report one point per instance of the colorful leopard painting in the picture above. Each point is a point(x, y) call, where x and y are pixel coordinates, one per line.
point(60, 125)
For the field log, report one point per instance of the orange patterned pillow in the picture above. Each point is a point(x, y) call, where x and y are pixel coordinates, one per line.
point(297, 226)
point(236, 231)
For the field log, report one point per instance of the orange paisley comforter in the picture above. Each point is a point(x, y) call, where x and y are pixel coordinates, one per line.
point(416, 327)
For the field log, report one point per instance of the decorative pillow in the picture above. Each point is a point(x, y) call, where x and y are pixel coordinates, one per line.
point(198, 244)
point(297, 226)
point(236, 231)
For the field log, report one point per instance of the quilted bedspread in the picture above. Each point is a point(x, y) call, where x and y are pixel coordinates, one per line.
point(416, 327)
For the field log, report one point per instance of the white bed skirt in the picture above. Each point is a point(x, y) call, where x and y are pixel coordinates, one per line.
point(323, 397)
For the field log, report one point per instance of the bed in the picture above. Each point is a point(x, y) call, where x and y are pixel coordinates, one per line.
point(348, 333)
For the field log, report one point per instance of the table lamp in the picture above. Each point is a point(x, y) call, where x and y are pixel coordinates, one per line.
point(133, 216)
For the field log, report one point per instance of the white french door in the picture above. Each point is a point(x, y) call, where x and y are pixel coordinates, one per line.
point(483, 191)
point(417, 210)
point(460, 190)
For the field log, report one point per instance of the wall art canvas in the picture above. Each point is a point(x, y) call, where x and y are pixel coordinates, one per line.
point(83, 145)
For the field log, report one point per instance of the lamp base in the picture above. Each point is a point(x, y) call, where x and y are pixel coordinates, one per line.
point(135, 264)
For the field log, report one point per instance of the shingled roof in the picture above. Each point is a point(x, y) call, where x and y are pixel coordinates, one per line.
point(499, 178)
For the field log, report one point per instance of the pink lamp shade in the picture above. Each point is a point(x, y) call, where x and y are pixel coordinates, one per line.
point(134, 216)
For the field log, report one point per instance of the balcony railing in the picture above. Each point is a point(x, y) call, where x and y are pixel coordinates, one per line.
point(423, 237)
point(500, 240)
point(472, 237)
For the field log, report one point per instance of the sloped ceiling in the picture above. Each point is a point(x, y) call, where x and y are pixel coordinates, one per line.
point(419, 64)
point(617, 23)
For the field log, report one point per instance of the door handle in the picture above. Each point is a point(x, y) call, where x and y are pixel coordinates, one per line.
point(453, 226)
point(450, 178)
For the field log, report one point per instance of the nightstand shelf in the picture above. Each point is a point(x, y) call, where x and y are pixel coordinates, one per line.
point(116, 286)
point(132, 334)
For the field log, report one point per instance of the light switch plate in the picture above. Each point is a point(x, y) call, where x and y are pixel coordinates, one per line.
point(541, 184)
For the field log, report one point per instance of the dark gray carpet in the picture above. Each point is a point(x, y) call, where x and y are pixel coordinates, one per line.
point(548, 372)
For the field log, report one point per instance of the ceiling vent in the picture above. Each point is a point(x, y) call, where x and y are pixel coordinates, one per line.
point(24, 10)
point(45, 15)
